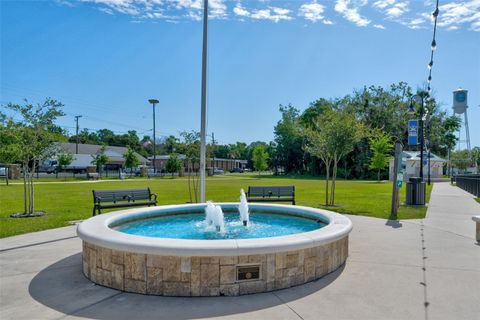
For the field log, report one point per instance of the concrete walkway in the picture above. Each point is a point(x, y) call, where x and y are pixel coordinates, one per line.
point(415, 269)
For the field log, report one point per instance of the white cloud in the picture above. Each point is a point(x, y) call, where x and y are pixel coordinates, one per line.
point(313, 11)
point(274, 14)
point(350, 11)
point(106, 10)
point(393, 9)
point(155, 9)
point(454, 14)
point(188, 4)
point(241, 11)
point(413, 14)
point(379, 26)
point(218, 9)
point(382, 4)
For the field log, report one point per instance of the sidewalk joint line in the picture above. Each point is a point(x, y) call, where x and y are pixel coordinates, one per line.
point(285, 303)
point(37, 244)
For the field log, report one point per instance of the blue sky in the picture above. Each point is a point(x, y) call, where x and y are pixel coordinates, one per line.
point(105, 58)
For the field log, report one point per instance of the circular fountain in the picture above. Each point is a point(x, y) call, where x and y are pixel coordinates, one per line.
point(212, 249)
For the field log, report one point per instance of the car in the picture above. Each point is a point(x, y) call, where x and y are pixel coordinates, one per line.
point(236, 170)
point(218, 171)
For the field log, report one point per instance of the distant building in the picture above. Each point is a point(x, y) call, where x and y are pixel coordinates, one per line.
point(224, 164)
point(411, 165)
point(87, 151)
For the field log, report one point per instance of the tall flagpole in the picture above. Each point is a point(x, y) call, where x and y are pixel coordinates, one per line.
point(203, 133)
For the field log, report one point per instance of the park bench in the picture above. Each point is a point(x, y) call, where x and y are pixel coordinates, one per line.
point(107, 199)
point(271, 194)
point(477, 220)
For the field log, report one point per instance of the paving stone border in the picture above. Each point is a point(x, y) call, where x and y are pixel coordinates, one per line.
point(209, 276)
point(183, 267)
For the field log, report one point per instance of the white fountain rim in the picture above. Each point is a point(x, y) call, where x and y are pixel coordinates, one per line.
point(97, 231)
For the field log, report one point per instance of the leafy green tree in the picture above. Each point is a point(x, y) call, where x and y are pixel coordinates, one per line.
point(260, 158)
point(289, 139)
point(381, 146)
point(448, 137)
point(131, 159)
point(170, 144)
point(476, 155)
point(29, 140)
point(191, 148)
point(334, 136)
point(173, 164)
point(461, 159)
point(100, 159)
point(64, 159)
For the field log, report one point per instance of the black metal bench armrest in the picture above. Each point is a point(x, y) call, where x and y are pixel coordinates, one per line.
point(154, 195)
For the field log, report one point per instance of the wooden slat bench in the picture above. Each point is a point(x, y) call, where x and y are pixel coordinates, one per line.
point(107, 199)
point(271, 194)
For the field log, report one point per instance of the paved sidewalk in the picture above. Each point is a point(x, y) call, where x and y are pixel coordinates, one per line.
point(414, 269)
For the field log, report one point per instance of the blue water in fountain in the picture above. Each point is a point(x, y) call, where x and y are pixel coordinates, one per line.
point(193, 226)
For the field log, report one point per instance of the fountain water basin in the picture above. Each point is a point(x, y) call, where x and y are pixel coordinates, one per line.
point(234, 261)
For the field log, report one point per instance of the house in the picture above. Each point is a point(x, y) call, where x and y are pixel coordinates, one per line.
point(87, 151)
point(411, 165)
point(220, 163)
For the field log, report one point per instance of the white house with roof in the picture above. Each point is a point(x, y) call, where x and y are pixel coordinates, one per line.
point(411, 165)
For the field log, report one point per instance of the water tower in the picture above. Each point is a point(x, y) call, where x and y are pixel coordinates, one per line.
point(460, 107)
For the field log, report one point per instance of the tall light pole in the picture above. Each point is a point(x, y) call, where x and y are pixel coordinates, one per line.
point(76, 145)
point(203, 133)
point(154, 102)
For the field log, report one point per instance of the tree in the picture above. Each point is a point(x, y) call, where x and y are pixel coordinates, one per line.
point(451, 125)
point(28, 141)
point(173, 164)
point(191, 149)
point(260, 158)
point(381, 146)
point(475, 152)
point(64, 159)
point(131, 159)
point(334, 136)
point(289, 139)
point(461, 159)
point(100, 159)
point(170, 144)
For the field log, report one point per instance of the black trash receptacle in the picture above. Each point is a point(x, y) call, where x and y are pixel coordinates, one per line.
point(416, 189)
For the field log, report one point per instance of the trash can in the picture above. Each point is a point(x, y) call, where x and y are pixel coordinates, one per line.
point(415, 192)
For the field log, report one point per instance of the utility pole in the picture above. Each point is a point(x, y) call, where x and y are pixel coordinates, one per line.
point(203, 120)
point(76, 135)
point(154, 102)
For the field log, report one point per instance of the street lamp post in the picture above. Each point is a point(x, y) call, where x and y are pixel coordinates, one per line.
point(154, 102)
point(419, 99)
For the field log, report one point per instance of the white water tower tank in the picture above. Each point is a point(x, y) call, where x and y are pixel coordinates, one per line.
point(460, 101)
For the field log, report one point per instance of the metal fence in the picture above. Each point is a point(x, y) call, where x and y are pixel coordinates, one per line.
point(469, 183)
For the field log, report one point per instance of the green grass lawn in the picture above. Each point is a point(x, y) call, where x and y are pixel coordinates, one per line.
point(70, 201)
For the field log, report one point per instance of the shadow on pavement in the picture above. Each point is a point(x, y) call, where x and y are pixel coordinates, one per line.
point(395, 224)
point(63, 287)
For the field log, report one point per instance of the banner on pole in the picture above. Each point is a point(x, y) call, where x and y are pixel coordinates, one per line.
point(412, 132)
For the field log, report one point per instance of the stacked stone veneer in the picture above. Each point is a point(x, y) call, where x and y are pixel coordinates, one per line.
point(208, 276)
